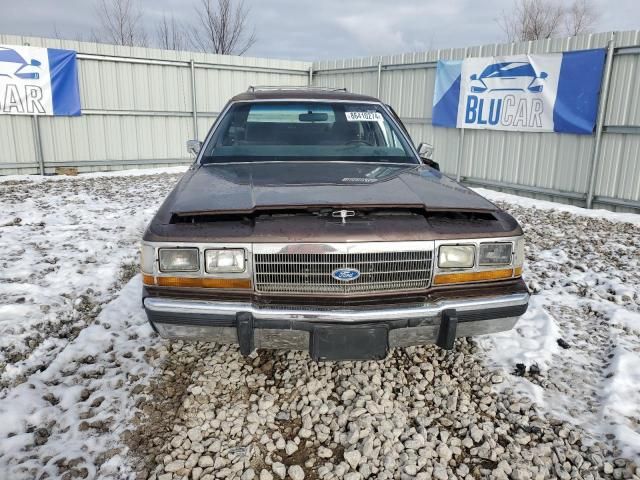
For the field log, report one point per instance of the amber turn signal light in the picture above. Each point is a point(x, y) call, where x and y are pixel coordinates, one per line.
point(189, 282)
point(488, 275)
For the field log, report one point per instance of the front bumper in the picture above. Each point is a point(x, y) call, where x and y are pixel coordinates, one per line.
point(299, 328)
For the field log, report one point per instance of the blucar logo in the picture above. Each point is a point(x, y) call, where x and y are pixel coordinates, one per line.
point(555, 92)
point(506, 94)
point(21, 92)
point(38, 81)
point(13, 65)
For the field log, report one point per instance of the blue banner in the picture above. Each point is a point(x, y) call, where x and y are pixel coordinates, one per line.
point(533, 93)
point(38, 81)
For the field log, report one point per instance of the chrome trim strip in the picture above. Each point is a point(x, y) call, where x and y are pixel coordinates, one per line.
point(200, 307)
point(343, 247)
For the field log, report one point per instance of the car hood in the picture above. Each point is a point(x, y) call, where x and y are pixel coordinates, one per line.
point(245, 187)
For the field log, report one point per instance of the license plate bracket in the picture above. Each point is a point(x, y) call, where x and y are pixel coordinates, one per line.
point(354, 342)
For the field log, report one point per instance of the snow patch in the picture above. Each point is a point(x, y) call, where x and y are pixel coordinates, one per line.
point(532, 342)
point(86, 389)
point(133, 172)
point(526, 202)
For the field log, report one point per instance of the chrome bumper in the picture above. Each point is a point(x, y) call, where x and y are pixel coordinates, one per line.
point(292, 328)
point(347, 316)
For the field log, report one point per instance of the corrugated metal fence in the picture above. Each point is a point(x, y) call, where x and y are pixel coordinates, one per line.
point(543, 165)
point(138, 106)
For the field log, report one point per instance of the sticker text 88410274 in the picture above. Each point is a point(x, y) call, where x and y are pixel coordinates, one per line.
point(363, 116)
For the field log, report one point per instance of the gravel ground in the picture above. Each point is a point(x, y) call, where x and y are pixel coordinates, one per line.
point(202, 411)
point(587, 274)
point(422, 413)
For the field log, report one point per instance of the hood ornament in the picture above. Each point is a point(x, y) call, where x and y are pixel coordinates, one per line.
point(343, 214)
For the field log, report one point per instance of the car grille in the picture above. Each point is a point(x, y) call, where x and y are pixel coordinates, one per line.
point(312, 272)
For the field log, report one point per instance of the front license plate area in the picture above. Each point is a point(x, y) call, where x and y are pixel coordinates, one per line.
point(357, 342)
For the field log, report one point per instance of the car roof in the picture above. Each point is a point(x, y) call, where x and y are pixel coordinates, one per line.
point(310, 93)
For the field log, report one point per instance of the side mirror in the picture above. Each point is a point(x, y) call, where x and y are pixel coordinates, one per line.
point(474, 77)
point(193, 147)
point(544, 75)
point(425, 150)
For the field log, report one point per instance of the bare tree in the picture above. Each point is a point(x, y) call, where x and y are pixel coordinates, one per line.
point(532, 20)
point(540, 19)
point(170, 34)
point(120, 23)
point(580, 18)
point(222, 27)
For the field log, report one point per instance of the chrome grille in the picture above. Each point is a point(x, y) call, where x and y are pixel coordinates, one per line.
point(311, 272)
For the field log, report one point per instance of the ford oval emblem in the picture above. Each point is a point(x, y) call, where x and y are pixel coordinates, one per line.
point(345, 274)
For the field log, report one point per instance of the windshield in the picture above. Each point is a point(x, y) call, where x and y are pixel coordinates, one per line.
point(307, 131)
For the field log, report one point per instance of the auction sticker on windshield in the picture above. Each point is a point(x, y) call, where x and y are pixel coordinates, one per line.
point(363, 116)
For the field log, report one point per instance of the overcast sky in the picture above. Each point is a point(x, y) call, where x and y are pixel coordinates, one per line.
point(319, 29)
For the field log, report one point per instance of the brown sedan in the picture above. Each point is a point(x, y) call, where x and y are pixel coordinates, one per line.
point(310, 221)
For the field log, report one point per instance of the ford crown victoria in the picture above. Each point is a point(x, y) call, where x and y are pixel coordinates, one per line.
point(309, 220)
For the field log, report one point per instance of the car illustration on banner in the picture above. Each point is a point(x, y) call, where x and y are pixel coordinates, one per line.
point(14, 66)
point(508, 76)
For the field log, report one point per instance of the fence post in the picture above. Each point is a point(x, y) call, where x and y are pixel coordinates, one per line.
point(460, 142)
point(379, 85)
point(194, 100)
point(38, 143)
point(460, 154)
point(602, 110)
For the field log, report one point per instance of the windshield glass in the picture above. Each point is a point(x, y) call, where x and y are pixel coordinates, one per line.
point(307, 131)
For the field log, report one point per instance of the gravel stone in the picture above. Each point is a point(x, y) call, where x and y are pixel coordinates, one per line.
point(296, 472)
point(353, 476)
point(440, 473)
point(179, 465)
point(206, 461)
point(353, 458)
point(324, 452)
point(444, 452)
point(195, 435)
point(265, 475)
point(348, 395)
point(279, 469)
point(476, 434)
point(248, 474)
point(291, 448)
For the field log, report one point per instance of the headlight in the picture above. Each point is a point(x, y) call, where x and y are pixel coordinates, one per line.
point(495, 254)
point(179, 260)
point(456, 256)
point(224, 261)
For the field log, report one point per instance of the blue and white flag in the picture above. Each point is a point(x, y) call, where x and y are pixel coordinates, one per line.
point(531, 93)
point(38, 81)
